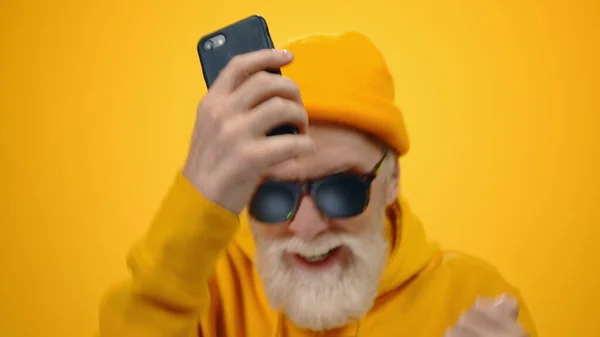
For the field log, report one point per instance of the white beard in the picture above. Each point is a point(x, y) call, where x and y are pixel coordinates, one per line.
point(328, 299)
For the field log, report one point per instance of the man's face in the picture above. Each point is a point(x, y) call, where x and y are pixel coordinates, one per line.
point(323, 272)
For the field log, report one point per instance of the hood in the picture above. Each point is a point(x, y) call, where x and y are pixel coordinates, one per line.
point(410, 251)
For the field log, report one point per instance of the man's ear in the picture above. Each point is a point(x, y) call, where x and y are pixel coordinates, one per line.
point(393, 182)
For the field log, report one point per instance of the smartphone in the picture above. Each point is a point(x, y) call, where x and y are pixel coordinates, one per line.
point(219, 47)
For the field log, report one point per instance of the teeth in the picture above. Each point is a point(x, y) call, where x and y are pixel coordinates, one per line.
point(316, 258)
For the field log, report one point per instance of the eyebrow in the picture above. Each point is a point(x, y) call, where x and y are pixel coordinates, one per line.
point(329, 163)
point(348, 167)
point(355, 166)
point(352, 166)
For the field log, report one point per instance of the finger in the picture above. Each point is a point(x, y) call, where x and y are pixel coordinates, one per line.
point(269, 151)
point(466, 329)
point(487, 318)
point(507, 306)
point(497, 326)
point(242, 66)
point(262, 86)
point(484, 302)
point(274, 112)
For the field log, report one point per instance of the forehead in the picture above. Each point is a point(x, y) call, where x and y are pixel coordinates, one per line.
point(338, 149)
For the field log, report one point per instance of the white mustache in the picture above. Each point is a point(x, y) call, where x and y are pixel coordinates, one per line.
point(327, 299)
point(321, 245)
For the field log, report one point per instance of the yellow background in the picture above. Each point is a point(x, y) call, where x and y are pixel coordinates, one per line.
point(98, 97)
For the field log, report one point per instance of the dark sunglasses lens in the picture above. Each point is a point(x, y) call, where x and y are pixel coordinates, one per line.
point(272, 203)
point(342, 197)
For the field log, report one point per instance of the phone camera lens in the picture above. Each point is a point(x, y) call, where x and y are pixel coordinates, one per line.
point(209, 45)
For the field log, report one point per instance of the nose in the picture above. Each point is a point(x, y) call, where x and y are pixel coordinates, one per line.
point(308, 222)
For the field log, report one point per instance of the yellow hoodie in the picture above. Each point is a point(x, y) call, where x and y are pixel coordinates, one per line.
point(192, 275)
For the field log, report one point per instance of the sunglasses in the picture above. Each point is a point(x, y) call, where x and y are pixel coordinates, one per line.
point(341, 195)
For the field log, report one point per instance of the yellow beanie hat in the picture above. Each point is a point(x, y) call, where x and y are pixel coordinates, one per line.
point(344, 79)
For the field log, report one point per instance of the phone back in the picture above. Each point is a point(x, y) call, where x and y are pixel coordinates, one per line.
point(218, 48)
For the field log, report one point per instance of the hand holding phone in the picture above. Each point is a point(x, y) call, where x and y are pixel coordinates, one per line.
point(229, 152)
point(218, 48)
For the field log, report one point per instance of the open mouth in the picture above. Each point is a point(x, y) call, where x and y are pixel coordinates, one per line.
point(318, 261)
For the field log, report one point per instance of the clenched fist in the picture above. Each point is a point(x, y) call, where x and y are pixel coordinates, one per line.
point(489, 318)
point(229, 150)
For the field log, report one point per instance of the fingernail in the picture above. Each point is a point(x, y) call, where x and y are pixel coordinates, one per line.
point(505, 299)
point(286, 53)
point(483, 302)
point(500, 300)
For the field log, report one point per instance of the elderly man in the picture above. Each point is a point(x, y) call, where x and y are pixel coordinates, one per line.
point(307, 234)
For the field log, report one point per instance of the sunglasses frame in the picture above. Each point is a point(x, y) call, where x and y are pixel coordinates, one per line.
point(300, 190)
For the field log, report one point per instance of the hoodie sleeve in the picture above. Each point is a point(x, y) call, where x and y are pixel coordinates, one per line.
point(170, 267)
point(474, 278)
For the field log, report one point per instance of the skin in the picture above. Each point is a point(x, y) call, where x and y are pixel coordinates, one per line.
point(338, 149)
point(347, 279)
point(490, 318)
point(229, 155)
point(229, 152)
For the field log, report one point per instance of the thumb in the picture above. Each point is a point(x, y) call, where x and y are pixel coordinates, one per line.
point(507, 306)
